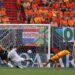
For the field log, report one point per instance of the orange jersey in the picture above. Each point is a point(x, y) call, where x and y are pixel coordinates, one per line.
point(49, 15)
point(71, 22)
point(37, 1)
point(18, 1)
point(28, 12)
point(73, 12)
point(5, 20)
point(70, 5)
point(66, 13)
point(2, 12)
point(59, 55)
point(38, 19)
point(63, 22)
point(34, 5)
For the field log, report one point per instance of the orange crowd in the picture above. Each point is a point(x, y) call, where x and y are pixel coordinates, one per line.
point(54, 12)
point(3, 16)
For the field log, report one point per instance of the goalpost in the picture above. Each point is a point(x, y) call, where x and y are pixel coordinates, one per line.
point(41, 32)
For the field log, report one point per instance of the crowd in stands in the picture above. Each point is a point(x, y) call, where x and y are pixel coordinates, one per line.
point(3, 16)
point(54, 12)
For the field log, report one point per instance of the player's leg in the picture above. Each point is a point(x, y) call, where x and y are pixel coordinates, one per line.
point(6, 62)
point(56, 64)
point(73, 62)
point(18, 64)
point(47, 62)
point(52, 59)
point(30, 60)
point(10, 65)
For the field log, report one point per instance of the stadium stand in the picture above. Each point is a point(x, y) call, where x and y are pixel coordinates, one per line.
point(57, 12)
point(11, 10)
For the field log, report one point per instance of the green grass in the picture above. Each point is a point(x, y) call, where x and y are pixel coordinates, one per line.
point(37, 71)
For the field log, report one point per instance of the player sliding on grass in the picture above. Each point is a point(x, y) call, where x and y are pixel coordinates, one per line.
point(12, 56)
point(56, 57)
point(16, 59)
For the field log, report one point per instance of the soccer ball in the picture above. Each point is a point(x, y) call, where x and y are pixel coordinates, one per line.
point(29, 51)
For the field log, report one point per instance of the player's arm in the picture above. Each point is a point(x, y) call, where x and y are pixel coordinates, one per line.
point(47, 62)
point(5, 61)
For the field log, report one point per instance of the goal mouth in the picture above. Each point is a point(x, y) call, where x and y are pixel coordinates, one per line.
point(32, 35)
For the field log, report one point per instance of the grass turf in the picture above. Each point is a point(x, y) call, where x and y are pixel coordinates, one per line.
point(37, 71)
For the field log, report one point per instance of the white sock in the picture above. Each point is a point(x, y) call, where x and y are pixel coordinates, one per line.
point(73, 62)
point(10, 65)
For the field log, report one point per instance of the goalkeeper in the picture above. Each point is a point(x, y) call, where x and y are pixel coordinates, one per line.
point(56, 57)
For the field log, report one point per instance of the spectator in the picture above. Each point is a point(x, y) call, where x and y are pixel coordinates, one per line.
point(5, 19)
point(43, 11)
point(54, 23)
point(71, 22)
point(63, 21)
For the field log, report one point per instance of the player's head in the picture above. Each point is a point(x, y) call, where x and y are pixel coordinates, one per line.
point(11, 47)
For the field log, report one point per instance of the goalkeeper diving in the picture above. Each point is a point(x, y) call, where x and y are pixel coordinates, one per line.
point(57, 56)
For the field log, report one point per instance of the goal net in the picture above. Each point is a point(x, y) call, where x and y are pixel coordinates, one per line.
point(34, 37)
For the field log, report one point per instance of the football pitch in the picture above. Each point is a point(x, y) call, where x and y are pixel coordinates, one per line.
point(37, 71)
